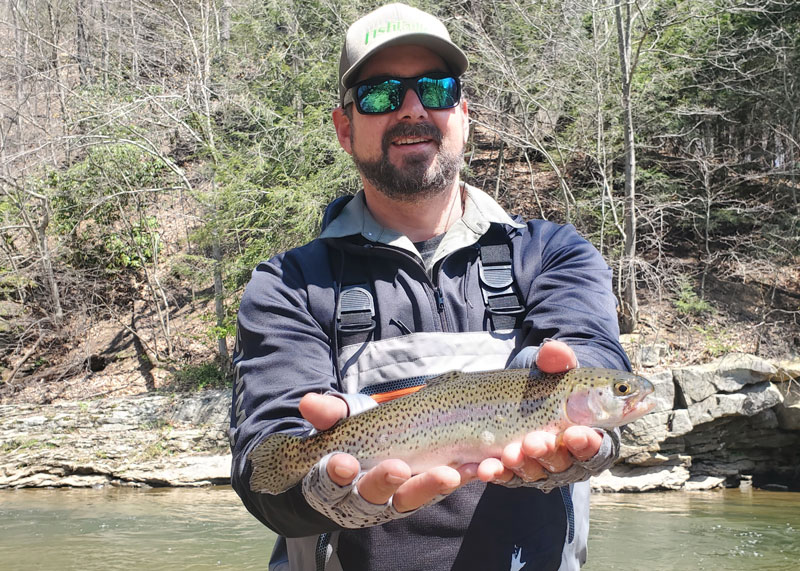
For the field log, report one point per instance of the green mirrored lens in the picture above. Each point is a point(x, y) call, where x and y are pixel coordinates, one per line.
point(381, 97)
point(387, 95)
point(438, 93)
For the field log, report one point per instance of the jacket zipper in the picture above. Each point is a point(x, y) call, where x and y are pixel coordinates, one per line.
point(439, 299)
point(432, 282)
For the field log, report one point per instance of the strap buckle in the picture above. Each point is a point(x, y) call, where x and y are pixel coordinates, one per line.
point(497, 283)
point(356, 312)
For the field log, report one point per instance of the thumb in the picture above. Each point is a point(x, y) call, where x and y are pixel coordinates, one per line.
point(556, 357)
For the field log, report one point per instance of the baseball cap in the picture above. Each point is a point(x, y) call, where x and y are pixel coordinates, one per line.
point(394, 25)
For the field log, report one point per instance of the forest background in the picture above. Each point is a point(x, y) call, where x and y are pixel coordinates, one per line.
point(153, 151)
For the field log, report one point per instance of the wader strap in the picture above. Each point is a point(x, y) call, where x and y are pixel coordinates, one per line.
point(503, 302)
point(566, 495)
point(355, 304)
point(321, 551)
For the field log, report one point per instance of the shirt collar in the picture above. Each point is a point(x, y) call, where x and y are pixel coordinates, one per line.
point(480, 211)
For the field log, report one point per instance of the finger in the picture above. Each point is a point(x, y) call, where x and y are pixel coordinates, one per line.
point(422, 488)
point(343, 468)
point(382, 481)
point(582, 442)
point(523, 466)
point(556, 357)
point(493, 470)
point(513, 456)
point(468, 473)
point(322, 411)
point(530, 470)
point(545, 449)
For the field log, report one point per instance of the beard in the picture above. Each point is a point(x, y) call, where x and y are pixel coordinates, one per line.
point(418, 178)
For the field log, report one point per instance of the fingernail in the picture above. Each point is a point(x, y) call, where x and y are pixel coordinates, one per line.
point(344, 472)
point(394, 479)
point(548, 466)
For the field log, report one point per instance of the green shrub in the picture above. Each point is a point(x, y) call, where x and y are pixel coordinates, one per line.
point(688, 302)
point(200, 377)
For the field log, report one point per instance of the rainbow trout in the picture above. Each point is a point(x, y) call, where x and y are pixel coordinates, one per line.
point(458, 418)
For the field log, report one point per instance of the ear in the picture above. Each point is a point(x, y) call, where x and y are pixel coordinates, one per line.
point(465, 115)
point(343, 129)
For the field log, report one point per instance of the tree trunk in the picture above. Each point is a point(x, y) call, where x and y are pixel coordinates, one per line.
point(629, 305)
point(20, 45)
point(225, 22)
point(219, 303)
point(47, 266)
point(82, 41)
point(105, 55)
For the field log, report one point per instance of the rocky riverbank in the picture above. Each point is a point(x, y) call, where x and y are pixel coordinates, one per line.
point(730, 422)
point(154, 440)
point(736, 420)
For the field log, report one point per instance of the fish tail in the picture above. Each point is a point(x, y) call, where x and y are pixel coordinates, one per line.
point(279, 462)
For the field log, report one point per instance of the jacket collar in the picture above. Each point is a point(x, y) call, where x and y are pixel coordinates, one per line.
point(480, 211)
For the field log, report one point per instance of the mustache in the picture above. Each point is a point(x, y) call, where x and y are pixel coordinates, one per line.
point(427, 130)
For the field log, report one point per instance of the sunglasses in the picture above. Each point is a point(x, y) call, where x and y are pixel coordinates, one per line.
point(385, 94)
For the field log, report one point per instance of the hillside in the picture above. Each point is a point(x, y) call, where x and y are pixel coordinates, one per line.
point(152, 153)
point(99, 356)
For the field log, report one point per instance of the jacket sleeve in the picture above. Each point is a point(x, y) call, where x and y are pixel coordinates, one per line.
point(566, 285)
point(281, 354)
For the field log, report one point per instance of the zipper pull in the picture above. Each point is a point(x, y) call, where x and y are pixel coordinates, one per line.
point(439, 299)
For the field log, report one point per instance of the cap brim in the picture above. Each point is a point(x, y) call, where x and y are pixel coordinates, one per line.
point(455, 59)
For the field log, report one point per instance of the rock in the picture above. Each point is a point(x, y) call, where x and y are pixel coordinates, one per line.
point(647, 459)
point(694, 383)
point(715, 406)
point(739, 369)
point(749, 401)
point(671, 475)
point(192, 471)
point(787, 370)
point(788, 412)
point(643, 436)
point(643, 353)
point(177, 440)
point(664, 393)
point(210, 407)
point(760, 397)
point(703, 483)
point(652, 354)
point(728, 374)
point(679, 423)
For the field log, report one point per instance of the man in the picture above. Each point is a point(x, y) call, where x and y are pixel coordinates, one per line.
point(417, 275)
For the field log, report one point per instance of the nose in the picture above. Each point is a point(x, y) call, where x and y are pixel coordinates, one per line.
point(412, 107)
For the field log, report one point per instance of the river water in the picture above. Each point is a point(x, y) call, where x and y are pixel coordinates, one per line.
point(206, 528)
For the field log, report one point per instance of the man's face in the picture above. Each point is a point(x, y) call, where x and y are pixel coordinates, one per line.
point(412, 152)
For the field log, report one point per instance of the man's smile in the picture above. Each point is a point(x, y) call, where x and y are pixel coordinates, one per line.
point(410, 141)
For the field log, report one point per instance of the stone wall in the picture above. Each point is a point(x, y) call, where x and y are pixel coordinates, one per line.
point(735, 420)
point(731, 421)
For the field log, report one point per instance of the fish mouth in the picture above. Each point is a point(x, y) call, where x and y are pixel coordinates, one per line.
point(638, 406)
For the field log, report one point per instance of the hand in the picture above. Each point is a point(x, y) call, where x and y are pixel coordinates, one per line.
point(390, 477)
point(542, 452)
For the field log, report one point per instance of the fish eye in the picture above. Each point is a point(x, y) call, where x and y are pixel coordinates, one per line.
point(622, 389)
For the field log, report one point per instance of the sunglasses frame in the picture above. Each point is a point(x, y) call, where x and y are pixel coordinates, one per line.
point(407, 83)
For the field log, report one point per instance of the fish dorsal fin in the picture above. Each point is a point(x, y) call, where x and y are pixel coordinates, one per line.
point(444, 378)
